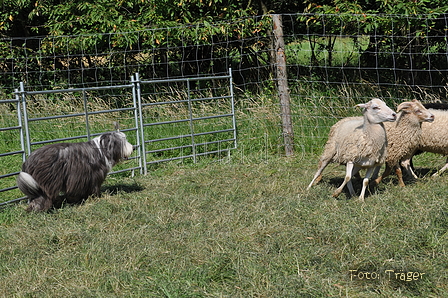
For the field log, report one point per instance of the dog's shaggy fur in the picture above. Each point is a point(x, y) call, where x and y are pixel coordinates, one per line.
point(70, 172)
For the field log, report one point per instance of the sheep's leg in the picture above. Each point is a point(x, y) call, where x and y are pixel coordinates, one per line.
point(376, 171)
point(355, 172)
point(441, 170)
point(406, 164)
point(318, 176)
point(400, 176)
point(385, 174)
point(372, 179)
point(348, 176)
point(365, 183)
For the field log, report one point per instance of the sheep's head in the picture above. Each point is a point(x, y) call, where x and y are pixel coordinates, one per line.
point(376, 111)
point(416, 108)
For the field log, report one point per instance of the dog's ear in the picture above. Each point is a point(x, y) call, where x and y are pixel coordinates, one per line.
point(116, 126)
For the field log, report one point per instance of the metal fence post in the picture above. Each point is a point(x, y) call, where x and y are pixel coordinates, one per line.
point(137, 124)
point(190, 110)
point(136, 91)
point(86, 112)
point(20, 123)
point(233, 107)
point(25, 118)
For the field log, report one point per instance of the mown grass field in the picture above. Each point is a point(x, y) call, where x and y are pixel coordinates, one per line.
point(242, 225)
point(235, 228)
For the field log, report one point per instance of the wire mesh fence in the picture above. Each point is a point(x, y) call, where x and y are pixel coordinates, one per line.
point(333, 62)
point(337, 61)
point(160, 53)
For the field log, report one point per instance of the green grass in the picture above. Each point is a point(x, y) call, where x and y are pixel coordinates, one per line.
point(344, 51)
point(242, 225)
point(239, 228)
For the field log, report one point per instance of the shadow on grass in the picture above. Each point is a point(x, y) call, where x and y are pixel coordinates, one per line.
point(112, 189)
point(121, 187)
point(105, 189)
point(425, 172)
point(372, 188)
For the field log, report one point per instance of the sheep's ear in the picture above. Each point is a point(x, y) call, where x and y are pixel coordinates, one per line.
point(404, 106)
point(362, 105)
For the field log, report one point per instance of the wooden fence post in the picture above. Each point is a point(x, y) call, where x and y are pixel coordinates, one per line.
point(282, 85)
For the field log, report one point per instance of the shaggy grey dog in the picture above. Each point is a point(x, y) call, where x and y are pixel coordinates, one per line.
point(70, 172)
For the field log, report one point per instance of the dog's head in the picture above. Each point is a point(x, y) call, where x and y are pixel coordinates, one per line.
point(114, 146)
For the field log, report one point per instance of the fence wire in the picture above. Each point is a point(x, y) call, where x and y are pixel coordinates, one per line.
point(334, 61)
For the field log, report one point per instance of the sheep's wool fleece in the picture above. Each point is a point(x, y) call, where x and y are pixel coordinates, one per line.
point(434, 136)
point(352, 142)
point(403, 137)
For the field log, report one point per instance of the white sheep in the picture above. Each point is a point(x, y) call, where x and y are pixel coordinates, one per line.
point(359, 143)
point(434, 137)
point(403, 136)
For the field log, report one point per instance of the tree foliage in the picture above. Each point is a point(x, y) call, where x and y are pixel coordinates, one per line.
point(107, 32)
point(58, 17)
point(401, 32)
point(202, 29)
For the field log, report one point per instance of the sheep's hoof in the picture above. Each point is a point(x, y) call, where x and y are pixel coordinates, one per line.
point(336, 194)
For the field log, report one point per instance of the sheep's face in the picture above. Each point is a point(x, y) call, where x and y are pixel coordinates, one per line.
point(377, 111)
point(415, 107)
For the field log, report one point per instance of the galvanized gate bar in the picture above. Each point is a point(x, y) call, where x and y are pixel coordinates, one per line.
point(73, 90)
point(193, 145)
point(136, 122)
point(9, 128)
point(20, 95)
point(136, 92)
point(139, 124)
point(86, 113)
point(19, 128)
point(191, 120)
point(11, 153)
point(185, 100)
point(232, 98)
point(189, 79)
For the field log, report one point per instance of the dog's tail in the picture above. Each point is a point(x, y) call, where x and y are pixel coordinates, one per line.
point(28, 185)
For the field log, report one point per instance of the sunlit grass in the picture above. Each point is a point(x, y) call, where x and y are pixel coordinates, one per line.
point(238, 228)
point(329, 51)
point(237, 225)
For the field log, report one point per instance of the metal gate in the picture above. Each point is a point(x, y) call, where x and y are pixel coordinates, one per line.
point(166, 120)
